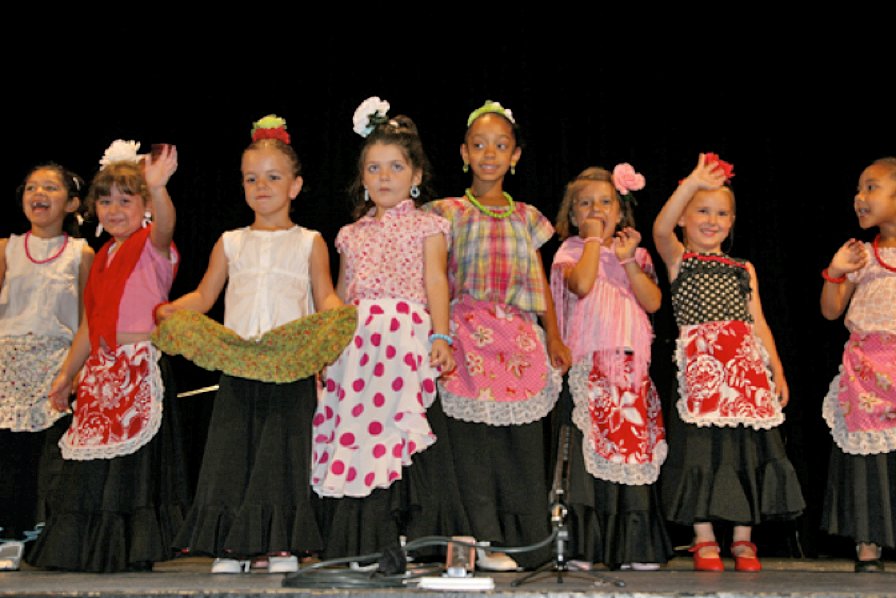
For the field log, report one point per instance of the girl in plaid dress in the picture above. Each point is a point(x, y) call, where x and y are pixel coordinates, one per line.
point(509, 368)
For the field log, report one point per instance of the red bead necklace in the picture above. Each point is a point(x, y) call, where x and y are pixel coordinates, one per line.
point(52, 257)
point(880, 260)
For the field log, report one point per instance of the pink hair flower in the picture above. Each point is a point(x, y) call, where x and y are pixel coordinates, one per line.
point(626, 180)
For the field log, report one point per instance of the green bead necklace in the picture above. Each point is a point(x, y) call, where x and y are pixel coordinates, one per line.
point(499, 215)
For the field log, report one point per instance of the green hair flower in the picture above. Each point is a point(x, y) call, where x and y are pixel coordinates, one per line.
point(490, 106)
point(271, 121)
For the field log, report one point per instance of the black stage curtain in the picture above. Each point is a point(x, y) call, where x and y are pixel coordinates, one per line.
point(796, 134)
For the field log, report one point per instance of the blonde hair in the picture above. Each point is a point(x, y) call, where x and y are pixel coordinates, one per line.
point(564, 226)
point(284, 148)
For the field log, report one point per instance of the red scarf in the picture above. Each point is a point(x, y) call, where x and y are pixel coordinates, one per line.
point(105, 287)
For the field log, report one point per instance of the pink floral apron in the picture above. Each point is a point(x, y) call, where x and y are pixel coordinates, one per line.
point(503, 376)
point(860, 407)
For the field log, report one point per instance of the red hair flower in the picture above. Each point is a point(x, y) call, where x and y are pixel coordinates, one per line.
point(726, 167)
point(270, 127)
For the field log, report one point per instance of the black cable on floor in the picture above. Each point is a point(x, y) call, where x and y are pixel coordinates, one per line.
point(321, 575)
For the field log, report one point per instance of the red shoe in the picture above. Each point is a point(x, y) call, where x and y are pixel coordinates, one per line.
point(706, 563)
point(745, 563)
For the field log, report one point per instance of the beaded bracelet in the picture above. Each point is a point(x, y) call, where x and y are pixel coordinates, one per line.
point(436, 336)
point(829, 278)
point(627, 260)
point(593, 240)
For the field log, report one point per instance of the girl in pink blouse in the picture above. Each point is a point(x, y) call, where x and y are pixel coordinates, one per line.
point(860, 406)
point(376, 413)
point(604, 286)
point(123, 489)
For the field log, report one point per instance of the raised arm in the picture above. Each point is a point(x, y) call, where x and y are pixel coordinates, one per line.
point(580, 277)
point(762, 330)
point(835, 296)
point(157, 172)
point(668, 245)
point(644, 287)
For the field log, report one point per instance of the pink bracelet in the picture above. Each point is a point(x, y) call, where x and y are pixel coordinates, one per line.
point(627, 260)
point(593, 240)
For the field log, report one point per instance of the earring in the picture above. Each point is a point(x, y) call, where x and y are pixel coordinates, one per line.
point(99, 229)
point(147, 218)
point(512, 168)
point(415, 191)
point(366, 195)
point(466, 167)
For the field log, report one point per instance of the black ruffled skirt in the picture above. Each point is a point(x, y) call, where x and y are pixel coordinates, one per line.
point(30, 463)
point(734, 474)
point(613, 523)
point(860, 498)
point(503, 480)
point(109, 515)
point(253, 495)
point(426, 501)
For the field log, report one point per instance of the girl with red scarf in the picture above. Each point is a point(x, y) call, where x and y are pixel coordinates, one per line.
point(122, 489)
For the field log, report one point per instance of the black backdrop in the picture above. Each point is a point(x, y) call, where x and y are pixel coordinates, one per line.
point(799, 126)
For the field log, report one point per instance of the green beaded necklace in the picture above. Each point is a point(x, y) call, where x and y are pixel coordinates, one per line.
point(499, 215)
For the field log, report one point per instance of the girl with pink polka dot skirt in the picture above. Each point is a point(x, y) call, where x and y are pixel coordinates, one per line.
point(375, 417)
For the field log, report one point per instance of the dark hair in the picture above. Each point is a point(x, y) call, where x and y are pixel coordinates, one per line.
point(401, 131)
point(515, 128)
point(126, 175)
point(574, 187)
point(74, 187)
point(285, 148)
point(887, 161)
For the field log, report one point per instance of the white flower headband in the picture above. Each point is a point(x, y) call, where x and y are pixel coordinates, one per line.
point(120, 151)
point(369, 114)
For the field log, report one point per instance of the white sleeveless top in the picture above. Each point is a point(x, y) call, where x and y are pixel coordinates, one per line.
point(269, 283)
point(41, 299)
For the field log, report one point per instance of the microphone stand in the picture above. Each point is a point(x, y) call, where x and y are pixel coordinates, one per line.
point(559, 511)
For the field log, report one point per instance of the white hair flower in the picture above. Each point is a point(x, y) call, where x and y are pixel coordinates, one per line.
point(120, 151)
point(371, 112)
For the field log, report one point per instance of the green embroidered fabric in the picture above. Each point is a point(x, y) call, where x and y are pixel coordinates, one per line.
point(287, 353)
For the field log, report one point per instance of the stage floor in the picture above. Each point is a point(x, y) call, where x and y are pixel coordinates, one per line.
point(190, 576)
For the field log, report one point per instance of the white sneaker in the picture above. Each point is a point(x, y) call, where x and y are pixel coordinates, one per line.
point(579, 565)
point(283, 564)
point(229, 566)
point(639, 566)
point(494, 561)
point(11, 555)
